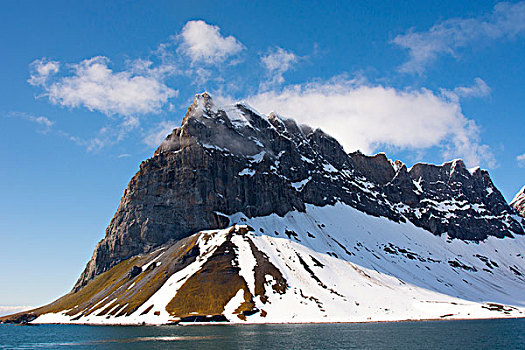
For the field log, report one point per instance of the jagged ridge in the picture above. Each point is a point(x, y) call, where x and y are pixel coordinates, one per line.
point(232, 159)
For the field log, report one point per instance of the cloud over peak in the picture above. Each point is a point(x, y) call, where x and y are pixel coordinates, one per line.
point(368, 117)
point(158, 133)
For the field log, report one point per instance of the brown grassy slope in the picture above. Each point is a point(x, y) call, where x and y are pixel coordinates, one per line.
point(116, 292)
point(209, 290)
point(114, 284)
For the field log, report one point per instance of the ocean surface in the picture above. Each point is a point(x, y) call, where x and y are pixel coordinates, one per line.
point(472, 334)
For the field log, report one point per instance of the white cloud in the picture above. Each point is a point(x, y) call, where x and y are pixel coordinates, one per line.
point(93, 144)
point(95, 86)
point(43, 121)
point(8, 310)
point(369, 117)
point(203, 42)
point(506, 21)
point(277, 62)
point(110, 134)
point(478, 89)
point(156, 135)
point(521, 160)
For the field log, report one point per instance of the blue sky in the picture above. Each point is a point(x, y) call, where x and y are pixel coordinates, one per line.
point(89, 89)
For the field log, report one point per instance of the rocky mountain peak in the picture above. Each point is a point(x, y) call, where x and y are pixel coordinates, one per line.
point(202, 103)
point(231, 159)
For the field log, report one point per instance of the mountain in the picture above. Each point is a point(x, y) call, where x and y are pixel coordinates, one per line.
point(242, 217)
point(519, 202)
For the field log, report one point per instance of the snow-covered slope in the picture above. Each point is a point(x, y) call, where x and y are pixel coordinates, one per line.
point(339, 265)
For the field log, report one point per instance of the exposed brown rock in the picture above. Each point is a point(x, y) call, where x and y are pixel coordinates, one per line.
point(209, 290)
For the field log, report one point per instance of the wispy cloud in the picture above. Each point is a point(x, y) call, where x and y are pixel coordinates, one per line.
point(478, 89)
point(521, 160)
point(158, 133)
point(369, 117)
point(93, 144)
point(203, 43)
point(507, 21)
point(41, 70)
point(276, 62)
point(43, 123)
point(106, 136)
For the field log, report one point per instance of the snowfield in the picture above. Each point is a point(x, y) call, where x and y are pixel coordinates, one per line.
point(342, 265)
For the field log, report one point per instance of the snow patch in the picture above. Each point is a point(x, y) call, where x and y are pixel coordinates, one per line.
point(233, 304)
point(257, 158)
point(300, 185)
point(329, 168)
point(247, 172)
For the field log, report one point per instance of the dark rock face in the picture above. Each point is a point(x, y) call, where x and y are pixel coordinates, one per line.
point(227, 160)
point(135, 271)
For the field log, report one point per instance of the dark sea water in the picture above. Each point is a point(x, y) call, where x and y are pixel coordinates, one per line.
point(476, 334)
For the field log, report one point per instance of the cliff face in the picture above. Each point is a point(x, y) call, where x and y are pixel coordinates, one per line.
point(227, 160)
